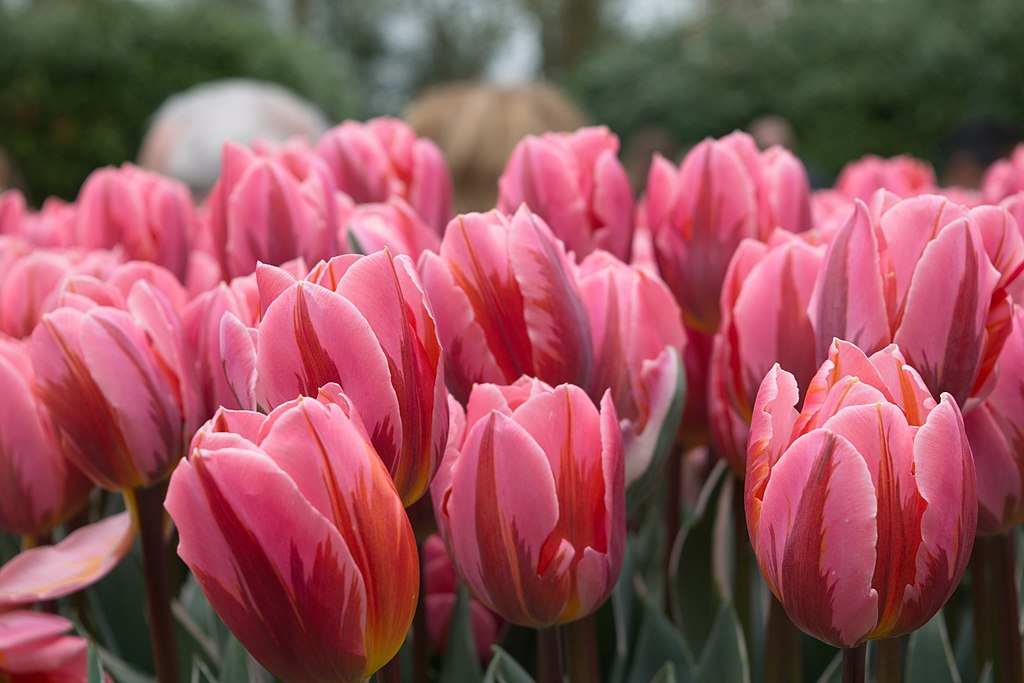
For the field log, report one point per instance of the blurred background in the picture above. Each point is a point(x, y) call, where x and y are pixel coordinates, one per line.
point(80, 81)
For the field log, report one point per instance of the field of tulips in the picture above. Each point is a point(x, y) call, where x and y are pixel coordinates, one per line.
point(316, 428)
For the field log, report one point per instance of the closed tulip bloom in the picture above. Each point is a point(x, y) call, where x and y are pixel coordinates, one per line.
point(921, 274)
point(384, 158)
point(120, 387)
point(35, 647)
point(1004, 177)
point(394, 224)
point(299, 539)
point(39, 488)
point(260, 211)
point(902, 175)
point(996, 432)
point(575, 182)
point(506, 303)
point(862, 508)
point(151, 217)
point(638, 341)
point(365, 323)
point(531, 503)
point(765, 320)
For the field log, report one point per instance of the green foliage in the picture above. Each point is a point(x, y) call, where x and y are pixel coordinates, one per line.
point(81, 79)
point(852, 77)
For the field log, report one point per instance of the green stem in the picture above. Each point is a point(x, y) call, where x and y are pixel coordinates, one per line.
point(741, 558)
point(391, 672)
point(981, 597)
point(549, 655)
point(853, 663)
point(581, 649)
point(890, 653)
point(1005, 575)
point(673, 474)
point(147, 507)
point(782, 647)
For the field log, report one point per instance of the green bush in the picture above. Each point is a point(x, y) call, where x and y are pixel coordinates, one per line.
point(852, 77)
point(81, 79)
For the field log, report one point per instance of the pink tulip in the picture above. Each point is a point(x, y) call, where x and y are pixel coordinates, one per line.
point(383, 158)
point(1005, 177)
point(575, 182)
point(12, 212)
point(260, 210)
point(506, 303)
point(530, 501)
point(367, 228)
point(724, 191)
point(922, 275)
point(39, 489)
point(34, 647)
point(365, 323)
point(151, 217)
point(862, 508)
point(638, 340)
point(440, 591)
point(996, 432)
point(299, 539)
point(119, 385)
point(764, 320)
point(902, 175)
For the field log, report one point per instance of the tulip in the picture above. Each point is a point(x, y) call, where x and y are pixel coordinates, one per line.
point(382, 158)
point(996, 432)
point(1004, 177)
point(39, 489)
point(903, 175)
point(575, 182)
point(440, 591)
point(506, 303)
point(299, 539)
point(151, 217)
point(34, 647)
point(261, 211)
point(367, 228)
point(765, 320)
point(119, 385)
point(531, 504)
point(365, 323)
point(921, 274)
point(12, 211)
point(638, 340)
point(862, 508)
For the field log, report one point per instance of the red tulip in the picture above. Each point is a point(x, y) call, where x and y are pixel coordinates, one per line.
point(575, 182)
point(299, 539)
point(862, 508)
point(530, 501)
point(506, 303)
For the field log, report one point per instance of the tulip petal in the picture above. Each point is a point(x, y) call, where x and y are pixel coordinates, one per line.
point(81, 559)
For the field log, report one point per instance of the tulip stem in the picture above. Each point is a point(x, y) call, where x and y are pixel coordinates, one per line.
point(981, 594)
point(420, 653)
point(741, 558)
point(673, 474)
point(1007, 611)
point(854, 663)
point(581, 649)
point(890, 653)
point(549, 655)
point(147, 509)
point(782, 647)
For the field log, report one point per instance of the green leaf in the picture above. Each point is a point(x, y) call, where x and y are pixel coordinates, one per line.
point(120, 670)
point(834, 672)
point(725, 656)
point(237, 665)
point(461, 662)
point(667, 674)
point(502, 669)
point(929, 655)
point(696, 593)
point(93, 666)
point(658, 642)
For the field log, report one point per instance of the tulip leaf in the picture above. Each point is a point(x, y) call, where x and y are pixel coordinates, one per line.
point(696, 594)
point(9, 546)
point(833, 673)
point(354, 247)
point(461, 662)
point(929, 655)
point(120, 670)
point(667, 674)
point(725, 656)
point(503, 669)
point(93, 666)
point(238, 665)
point(657, 643)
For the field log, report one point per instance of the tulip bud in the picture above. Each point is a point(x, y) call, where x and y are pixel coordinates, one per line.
point(34, 647)
point(903, 175)
point(531, 504)
point(299, 539)
point(862, 508)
